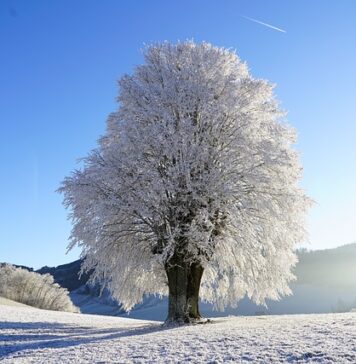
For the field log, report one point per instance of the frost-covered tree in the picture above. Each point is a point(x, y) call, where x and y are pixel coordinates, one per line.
point(192, 192)
point(34, 289)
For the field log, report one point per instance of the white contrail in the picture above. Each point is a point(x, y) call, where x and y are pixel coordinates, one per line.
point(265, 24)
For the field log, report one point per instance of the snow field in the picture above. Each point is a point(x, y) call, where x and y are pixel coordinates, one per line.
point(37, 336)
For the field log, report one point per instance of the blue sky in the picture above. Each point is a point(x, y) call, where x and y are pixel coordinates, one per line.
point(59, 64)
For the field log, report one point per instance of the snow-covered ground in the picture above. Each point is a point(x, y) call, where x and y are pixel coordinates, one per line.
point(30, 335)
point(7, 302)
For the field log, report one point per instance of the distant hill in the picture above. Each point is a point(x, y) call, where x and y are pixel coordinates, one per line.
point(67, 275)
point(330, 267)
point(326, 282)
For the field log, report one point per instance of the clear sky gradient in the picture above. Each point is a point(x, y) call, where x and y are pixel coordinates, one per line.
point(59, 64)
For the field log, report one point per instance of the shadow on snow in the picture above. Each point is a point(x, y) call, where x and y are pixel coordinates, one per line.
point(55, 336)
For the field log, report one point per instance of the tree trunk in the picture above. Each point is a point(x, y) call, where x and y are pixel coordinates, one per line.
point(183, 284)
point(195, 274)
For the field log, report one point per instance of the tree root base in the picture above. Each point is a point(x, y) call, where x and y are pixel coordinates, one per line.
point(190, 321)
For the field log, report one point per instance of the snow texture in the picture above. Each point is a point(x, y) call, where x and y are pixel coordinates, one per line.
point(30, 335)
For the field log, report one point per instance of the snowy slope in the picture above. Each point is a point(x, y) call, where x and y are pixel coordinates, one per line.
point(7, 302)
point(306, 298)
point(36, 336)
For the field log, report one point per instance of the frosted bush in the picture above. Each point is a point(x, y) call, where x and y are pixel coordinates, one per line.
point(34, 289)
